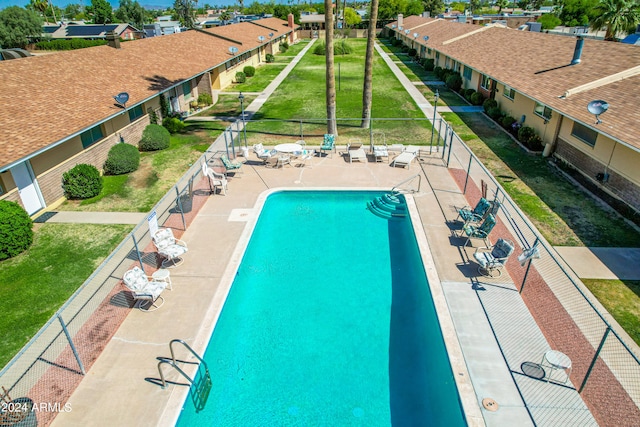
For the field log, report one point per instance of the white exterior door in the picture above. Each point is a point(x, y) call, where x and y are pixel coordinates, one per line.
point(27, 187)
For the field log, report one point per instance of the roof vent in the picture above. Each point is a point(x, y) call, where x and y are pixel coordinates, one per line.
point(577, 53)
point(112, 39)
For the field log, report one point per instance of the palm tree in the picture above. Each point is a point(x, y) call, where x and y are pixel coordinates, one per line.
point(367, 88)
point(330, 74)
point(617, 16)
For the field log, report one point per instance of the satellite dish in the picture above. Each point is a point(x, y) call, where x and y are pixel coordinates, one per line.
point(407, 31)
point(415, 35)
point(598, 107)
point(270, 35)
point(122, 99)
point(426, 38)
point(233, 50)
point(260, 39)
point(393, 26)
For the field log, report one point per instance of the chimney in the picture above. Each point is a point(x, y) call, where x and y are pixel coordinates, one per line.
point(577, 53)
point(112, 39)
point(400, 23)
point(291, 25)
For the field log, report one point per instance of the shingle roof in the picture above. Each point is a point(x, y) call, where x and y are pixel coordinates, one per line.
point(48, 98)
point(537, 65)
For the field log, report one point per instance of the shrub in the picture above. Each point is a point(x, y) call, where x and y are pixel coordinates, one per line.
point(438, 72)
point(81, 182)
point(269, 58)
point(404, 48)
point(396, 42)
point(412, 52)
point(320, 49)
point(68, 44)
point(489, 104)
point(241, 77)
point(284, 46)
point(16, 234)
point(205, 98)
point(549, 21)
point(468, 94)
point(173, 125)
point(454, 82)
point(525, 133)
point(507, 122)
point(429, 64)
point(155, 137)
point(249, 71)
point(477, 98)
point(535, 143)
point(122, 158)
point(495, 113)
point(153, 116)
point(341, 47)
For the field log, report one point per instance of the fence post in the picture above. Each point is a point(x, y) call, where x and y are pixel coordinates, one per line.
point(301, 133)
point(439, 133)
point(226, 141)
point(73, 347)
point(595, 358)
point(466, 180)
point(135, 245)
point(448, 132)
point(444, 149)
point(179, 203)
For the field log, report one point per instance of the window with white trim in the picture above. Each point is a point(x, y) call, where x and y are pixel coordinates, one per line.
point(486, 82)
point(509, 92)
point(466, 73)
point(584, 134)
point(542, 111)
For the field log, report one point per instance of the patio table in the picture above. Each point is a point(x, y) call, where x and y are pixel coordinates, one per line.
point(288, 148)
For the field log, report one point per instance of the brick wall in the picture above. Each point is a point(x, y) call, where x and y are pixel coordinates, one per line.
point(204, 84)
point(50, 182)
point(617, 185)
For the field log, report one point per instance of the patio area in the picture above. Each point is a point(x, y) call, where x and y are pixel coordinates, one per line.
point(489, 320)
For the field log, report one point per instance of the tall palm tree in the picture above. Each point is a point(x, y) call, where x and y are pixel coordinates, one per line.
point(616, 16)
point(367, 88)
point(330, 74)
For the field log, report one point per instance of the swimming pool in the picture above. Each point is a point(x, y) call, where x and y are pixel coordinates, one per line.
point(329, 321)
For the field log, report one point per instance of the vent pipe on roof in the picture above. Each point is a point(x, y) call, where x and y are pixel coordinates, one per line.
point(577, 53)
point(112, 39)
point(400, 23)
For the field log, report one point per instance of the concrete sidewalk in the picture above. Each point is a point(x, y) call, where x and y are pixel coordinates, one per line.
point(602, 263)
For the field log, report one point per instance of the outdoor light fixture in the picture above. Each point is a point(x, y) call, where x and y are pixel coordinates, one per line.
point(244, 128)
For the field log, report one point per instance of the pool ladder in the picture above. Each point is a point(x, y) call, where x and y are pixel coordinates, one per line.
point(200, 384)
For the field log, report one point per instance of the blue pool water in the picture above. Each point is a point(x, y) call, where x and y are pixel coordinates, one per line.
point(329, 321)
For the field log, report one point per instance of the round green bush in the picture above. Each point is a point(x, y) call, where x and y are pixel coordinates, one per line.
point(412, 52)
point(507, 122)
point(454, 82)
point(249, 71)
point(241, 77)
point(122, 158)
point(83, 181)
point(525, 133)
point(468, 94)
point(535, 143)
point(172, 125)
point(155, 137)
point(438, 72)
point(477, 98)
point(495, 113)
point(269, 58)
point(16, 234)
point(489, 104)
point(284, 46)
point(205, 98)
point(429, 64)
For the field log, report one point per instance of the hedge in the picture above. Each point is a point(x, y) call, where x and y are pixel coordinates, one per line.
point(83, 181)
point(16, 234)
point(249, 71)
point(154, 137)
point(122, 158)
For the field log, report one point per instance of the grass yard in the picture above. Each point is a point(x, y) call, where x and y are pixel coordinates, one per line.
point(565, 215)
point(228, 105)
point(139, 191)
point(622, 300)
point(259, 82)
point(36, 283)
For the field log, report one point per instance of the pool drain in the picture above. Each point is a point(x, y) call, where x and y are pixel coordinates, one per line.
point(490, 404)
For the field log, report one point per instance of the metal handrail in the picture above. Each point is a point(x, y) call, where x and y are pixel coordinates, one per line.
point(188, 347)
point(411, 178)
point(171, 363)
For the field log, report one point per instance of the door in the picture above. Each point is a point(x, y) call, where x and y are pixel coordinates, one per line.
point(27, 187)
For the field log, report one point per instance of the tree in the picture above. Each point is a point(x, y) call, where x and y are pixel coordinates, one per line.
point(184, 11)
point(225, 16)
point(72, 11)
point(475, 5)
point(616, 16)
point(434, 7)
point(575, 12)
point(330, 74)
point(549, 21)
point(351, 18)
point(502, 4)
point(367, 88)
point(18, 27)
point(131, 12)
point(102, 12)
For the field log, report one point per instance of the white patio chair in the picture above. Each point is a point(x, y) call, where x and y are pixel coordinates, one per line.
point(215, 179)
point(146, 291)
point(355, 151)
point(169, 247)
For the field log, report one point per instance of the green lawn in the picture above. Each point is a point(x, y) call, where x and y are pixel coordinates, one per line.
point(259, 82)
point(228, 105)
point(622, 300)
point(36, 283)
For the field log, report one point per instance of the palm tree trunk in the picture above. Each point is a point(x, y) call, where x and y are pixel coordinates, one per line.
point(330, 74)
point(367, 89)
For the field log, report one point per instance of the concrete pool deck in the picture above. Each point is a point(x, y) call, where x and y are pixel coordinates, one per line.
point(119, 387)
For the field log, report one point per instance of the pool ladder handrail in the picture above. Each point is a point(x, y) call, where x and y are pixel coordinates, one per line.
point(396, 188)
point(202, 388)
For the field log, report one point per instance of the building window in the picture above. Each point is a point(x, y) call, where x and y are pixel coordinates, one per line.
point(486, 82)
point(543, 111)
point(446, 62)
point(437, 60)
point(186, 90)
point(584, 134)
point(91, 136)
point(135, 113)
point(509, 92)
point(467, 73)
point(429, 50)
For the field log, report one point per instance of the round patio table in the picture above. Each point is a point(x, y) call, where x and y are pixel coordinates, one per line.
point(288, 148)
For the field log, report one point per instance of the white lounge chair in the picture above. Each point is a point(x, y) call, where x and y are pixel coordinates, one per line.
point(403, 159)
point(169, 247)
point(262, 153)
point(380, 151)
point(146, 291)
point(215, 179)
point(355, 151)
